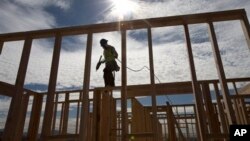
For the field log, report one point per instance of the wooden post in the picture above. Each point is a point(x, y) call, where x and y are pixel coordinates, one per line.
point(242, 108)
point(139, 119)
point(119, 125)
point(77, 113)
point(152, 80)
point(124, 86)
point(236, 109)
point(239, 110)
point(170, 122)
point(113, 120)
point(188, 132)
point(196, 89)
point(1, 47)
point(35, 117)
point(55, 113)
point(160, 134)
point(213, 121)
point(23, 109)
point(196, 124)
point(221, 74)
point(237, 106)
point(165, 129)
point(85, 98)
point(65, 114)
point(246, 28)
point(147, 120)
point(94, 128)
point(105, 117)
point(221, 111)
point(48, 113)
point(141, 122)
point(98, 121)
point(11, 133)
point(181, 136)
point(61, 118)
point(90, 126)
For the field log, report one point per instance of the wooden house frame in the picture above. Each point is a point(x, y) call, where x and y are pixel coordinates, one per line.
point(126, 125)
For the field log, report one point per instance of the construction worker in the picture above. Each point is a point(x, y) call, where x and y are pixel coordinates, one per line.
point(110, 55)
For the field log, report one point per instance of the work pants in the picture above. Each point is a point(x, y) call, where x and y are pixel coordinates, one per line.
point(109, 79)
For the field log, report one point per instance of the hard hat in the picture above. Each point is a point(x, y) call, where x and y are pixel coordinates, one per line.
point(103, 41)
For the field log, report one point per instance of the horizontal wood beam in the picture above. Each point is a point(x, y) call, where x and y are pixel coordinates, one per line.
point(62, 137)
point(129, 25)
point(141, 134)
point(160, 89)
point(177, 117)
point(160, 107)
point(217, 136)
point(6, 89)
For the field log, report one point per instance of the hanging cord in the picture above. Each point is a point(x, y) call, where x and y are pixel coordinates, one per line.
point(169, 100)
point(141, 70)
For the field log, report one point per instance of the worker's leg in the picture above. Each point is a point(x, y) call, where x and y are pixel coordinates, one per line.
point(108, 78)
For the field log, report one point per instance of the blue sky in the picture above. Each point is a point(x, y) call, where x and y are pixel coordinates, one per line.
point(170, 57)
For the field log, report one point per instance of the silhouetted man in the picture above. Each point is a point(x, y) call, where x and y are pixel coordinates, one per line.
point(110, 55)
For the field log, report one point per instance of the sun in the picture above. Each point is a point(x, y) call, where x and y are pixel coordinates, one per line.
point(123, 7)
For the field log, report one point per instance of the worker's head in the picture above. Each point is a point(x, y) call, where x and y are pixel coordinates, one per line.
point(103, 42)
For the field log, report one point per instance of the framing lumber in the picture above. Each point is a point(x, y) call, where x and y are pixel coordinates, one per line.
point(221, 74)
point(7, 89)
point(35, 117)
point(13, 120)
point(152, 81)
point(65, 115)
point(92, 124)
point(47, 121)
point(1, 47)
point(213, 121)
point(246, 28)
point(85, 94)
point(220, 109)
point(124, 87)
point(128, 25)
point(196, 89)
point(23, 109)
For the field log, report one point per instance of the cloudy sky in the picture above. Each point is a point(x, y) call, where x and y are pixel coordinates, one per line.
point(170, 55)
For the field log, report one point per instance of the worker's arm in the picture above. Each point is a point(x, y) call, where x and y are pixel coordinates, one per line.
point(114, 52)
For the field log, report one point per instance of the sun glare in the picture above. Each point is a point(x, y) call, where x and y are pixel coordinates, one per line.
point(123, 7)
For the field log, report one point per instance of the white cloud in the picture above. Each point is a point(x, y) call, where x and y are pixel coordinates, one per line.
point(9, 61)
point(5, 103)
point(39, 63)
point(170, 56)
point(71, 69)
point(171, 62)
point(151, 9)
point(16, 18)
point(63, 4)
